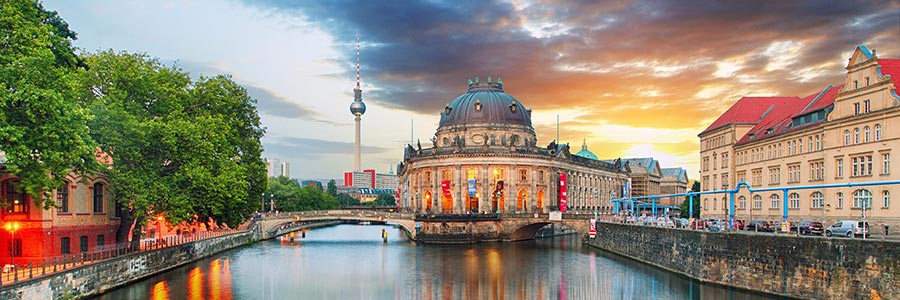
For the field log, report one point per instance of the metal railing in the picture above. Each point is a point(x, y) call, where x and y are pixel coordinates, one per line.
point(12, 274)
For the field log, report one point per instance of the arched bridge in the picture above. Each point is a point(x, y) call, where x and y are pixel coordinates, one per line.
point(439, 228)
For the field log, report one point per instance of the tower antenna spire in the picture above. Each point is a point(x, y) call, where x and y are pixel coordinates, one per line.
point(357, 60)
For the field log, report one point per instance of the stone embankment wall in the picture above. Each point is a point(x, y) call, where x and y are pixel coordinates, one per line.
point(96, 278)
point(785, 265)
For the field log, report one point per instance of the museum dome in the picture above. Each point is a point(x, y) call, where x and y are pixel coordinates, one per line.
point(485, 103)
point(585, 152)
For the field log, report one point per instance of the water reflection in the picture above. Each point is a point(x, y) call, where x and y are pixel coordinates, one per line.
point(351, 262)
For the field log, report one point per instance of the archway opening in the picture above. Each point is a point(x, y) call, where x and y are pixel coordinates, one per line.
point(446, 204)
point(540, 200)
point(427, 201)
point(497, 201)
point(522, 201)
point(472, 204)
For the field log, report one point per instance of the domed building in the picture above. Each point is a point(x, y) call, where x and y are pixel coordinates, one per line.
point(484, 158)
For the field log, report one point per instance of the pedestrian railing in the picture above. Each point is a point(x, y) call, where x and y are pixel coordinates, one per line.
point(15, 273)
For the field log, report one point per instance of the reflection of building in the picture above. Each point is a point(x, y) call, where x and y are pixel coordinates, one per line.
point(277, 168)
point(839, 134)
point(484, 157)
point(86, 220)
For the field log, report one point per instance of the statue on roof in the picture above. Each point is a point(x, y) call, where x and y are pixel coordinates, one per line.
point(419, 144)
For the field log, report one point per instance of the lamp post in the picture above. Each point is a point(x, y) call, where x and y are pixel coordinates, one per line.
point(12, 227)
point(159, 220)
point(262, 203)
point(271, 202)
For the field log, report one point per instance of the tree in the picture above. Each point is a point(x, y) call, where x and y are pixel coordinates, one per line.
point(289, 195)
point(179, 148)
point(385, 200)
point(347, 200)
point(332, 188)
point(685, 205)
point(42, 126)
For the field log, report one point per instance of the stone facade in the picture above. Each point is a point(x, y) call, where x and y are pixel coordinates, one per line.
point(838, 135)
point(804, 268)
point(484, 158)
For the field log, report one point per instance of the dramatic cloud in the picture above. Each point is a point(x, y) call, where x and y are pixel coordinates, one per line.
point(270, 103)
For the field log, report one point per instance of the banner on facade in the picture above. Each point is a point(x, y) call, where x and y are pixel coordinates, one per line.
point(472, 186)
point(626, 189)
point(445, 187)
point(593, 232)
point(562, 192)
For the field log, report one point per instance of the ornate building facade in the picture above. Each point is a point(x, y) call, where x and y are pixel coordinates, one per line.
point(840, 134)
point(484, 158)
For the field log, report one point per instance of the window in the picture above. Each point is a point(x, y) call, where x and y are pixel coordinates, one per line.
point(867, 106)
point(498, 174)
point(856, 107)
point(856, 86)
point(810, 143)
point(866, 134)
point(862, 197)
point(98, 197)
point(15, 199)
point(846, 137)
point(724, 160)
point(855, 136)
point(742, 202)
point(839, 163)
point(757, 177)
point(877, 132)
point(886, 196)
point(427, 176)
point(774, 175)
point(65, 245)
point(445, 174)
point(100, 240)
point(62, 198)
point(862, 165)
point(794, 201)
point(715, 160)
point(885, 163)
point(794, 173)
point(706, 203)
point(523, 175)
point(774, 201)
point(757, 202)
point(816, 170)
point(818, 200)
point(818, 144)
point(840, 200)
point(83, 243)
point(14, 248)
point(867, 81)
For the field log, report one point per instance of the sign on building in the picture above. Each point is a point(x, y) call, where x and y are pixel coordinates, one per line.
point(555, 216)
point(562, 192)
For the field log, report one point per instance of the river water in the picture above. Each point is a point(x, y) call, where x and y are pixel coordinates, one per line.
point(352, 262)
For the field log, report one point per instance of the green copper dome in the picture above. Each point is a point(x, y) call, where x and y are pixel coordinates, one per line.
point(585, 152)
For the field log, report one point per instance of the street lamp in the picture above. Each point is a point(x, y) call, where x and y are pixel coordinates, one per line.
point(12, 227)
point(159, 220)
point(271, 202)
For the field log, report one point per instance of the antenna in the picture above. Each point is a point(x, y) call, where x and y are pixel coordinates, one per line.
point(557, 128)
point(357, 60)
point(411, 128)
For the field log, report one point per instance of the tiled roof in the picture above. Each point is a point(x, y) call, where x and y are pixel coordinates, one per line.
point(892, 67)
point(778, 120)
point(678, 173)
point(747, 110)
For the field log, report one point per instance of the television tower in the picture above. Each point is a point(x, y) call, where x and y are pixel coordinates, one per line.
point(357, 108)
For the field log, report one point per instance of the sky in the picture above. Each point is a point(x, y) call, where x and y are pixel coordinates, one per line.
point(629, 78)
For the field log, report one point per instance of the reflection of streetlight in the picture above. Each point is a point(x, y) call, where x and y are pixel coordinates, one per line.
point(12, 227)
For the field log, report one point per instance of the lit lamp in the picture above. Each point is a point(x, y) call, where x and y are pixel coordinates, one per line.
point(12, 227)
point(159, 220)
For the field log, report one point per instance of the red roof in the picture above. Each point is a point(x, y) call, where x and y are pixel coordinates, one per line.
point(747, 110)
point(776, 121)
point(892, 67)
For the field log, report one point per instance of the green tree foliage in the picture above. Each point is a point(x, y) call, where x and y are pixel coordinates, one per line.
point(685, 205)
point(178, 147)
point(332, 188)
point(384, 200)
point(347, 200)
point(42, 126)
point(289, 195)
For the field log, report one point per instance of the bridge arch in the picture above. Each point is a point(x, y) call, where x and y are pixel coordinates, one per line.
point(527, 232)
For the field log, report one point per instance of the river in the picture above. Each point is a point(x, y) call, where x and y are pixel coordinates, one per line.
point(352, 262)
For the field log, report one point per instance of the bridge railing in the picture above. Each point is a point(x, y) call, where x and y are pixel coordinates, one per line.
point(337, 213)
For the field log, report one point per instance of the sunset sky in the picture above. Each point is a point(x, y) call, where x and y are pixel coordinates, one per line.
point(633, 78)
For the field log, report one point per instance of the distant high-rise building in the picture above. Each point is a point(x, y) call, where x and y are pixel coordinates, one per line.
point(276, 168)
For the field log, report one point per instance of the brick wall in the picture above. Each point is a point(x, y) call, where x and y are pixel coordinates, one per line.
point(799, 267)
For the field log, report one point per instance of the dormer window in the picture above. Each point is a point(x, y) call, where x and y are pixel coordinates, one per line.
point(478, 105)
point(447, 109)
point(770, 130)
point(512, 107)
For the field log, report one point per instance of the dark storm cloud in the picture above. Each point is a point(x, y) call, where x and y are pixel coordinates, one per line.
point(600, 55)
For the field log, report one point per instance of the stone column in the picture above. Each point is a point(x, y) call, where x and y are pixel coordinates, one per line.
point(459, 201)
point(485, 199)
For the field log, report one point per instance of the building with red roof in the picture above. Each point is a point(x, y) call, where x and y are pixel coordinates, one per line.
point(839, 134)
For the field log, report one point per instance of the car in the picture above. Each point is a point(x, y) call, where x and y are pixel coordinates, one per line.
point(808, 228)
point(848, 228)
point(761, 226)
point(738, 224)
point(698, 224)
point(682, 223)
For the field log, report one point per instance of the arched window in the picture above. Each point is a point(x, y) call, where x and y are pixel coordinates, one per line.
point(775, 201)
point(98, 197)
point(15, 199)
point(886, 196)
point(866, 134)
point(742, 202)
point(794, 200)
point(757, 202)
point(862, 197)
point(818, 200)
point(855, 135)
point(877, 132)
point(846, 137)
point(62, 198)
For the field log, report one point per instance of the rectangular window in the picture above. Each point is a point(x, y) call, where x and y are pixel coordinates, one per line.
point(83, 243)
point(98, 198)
point(15, 199)
point(818, 144)
point(14, 248)
point(886, 163)
point(62, 198)
point(867, 106)
point(840, 167)
point(65, 246)
point(855, 167)
point(523, 175)
point(100, 240)
point(856, 109)
point(840, 200)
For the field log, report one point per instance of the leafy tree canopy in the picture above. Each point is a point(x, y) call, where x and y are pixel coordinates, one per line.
point(289, 195)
